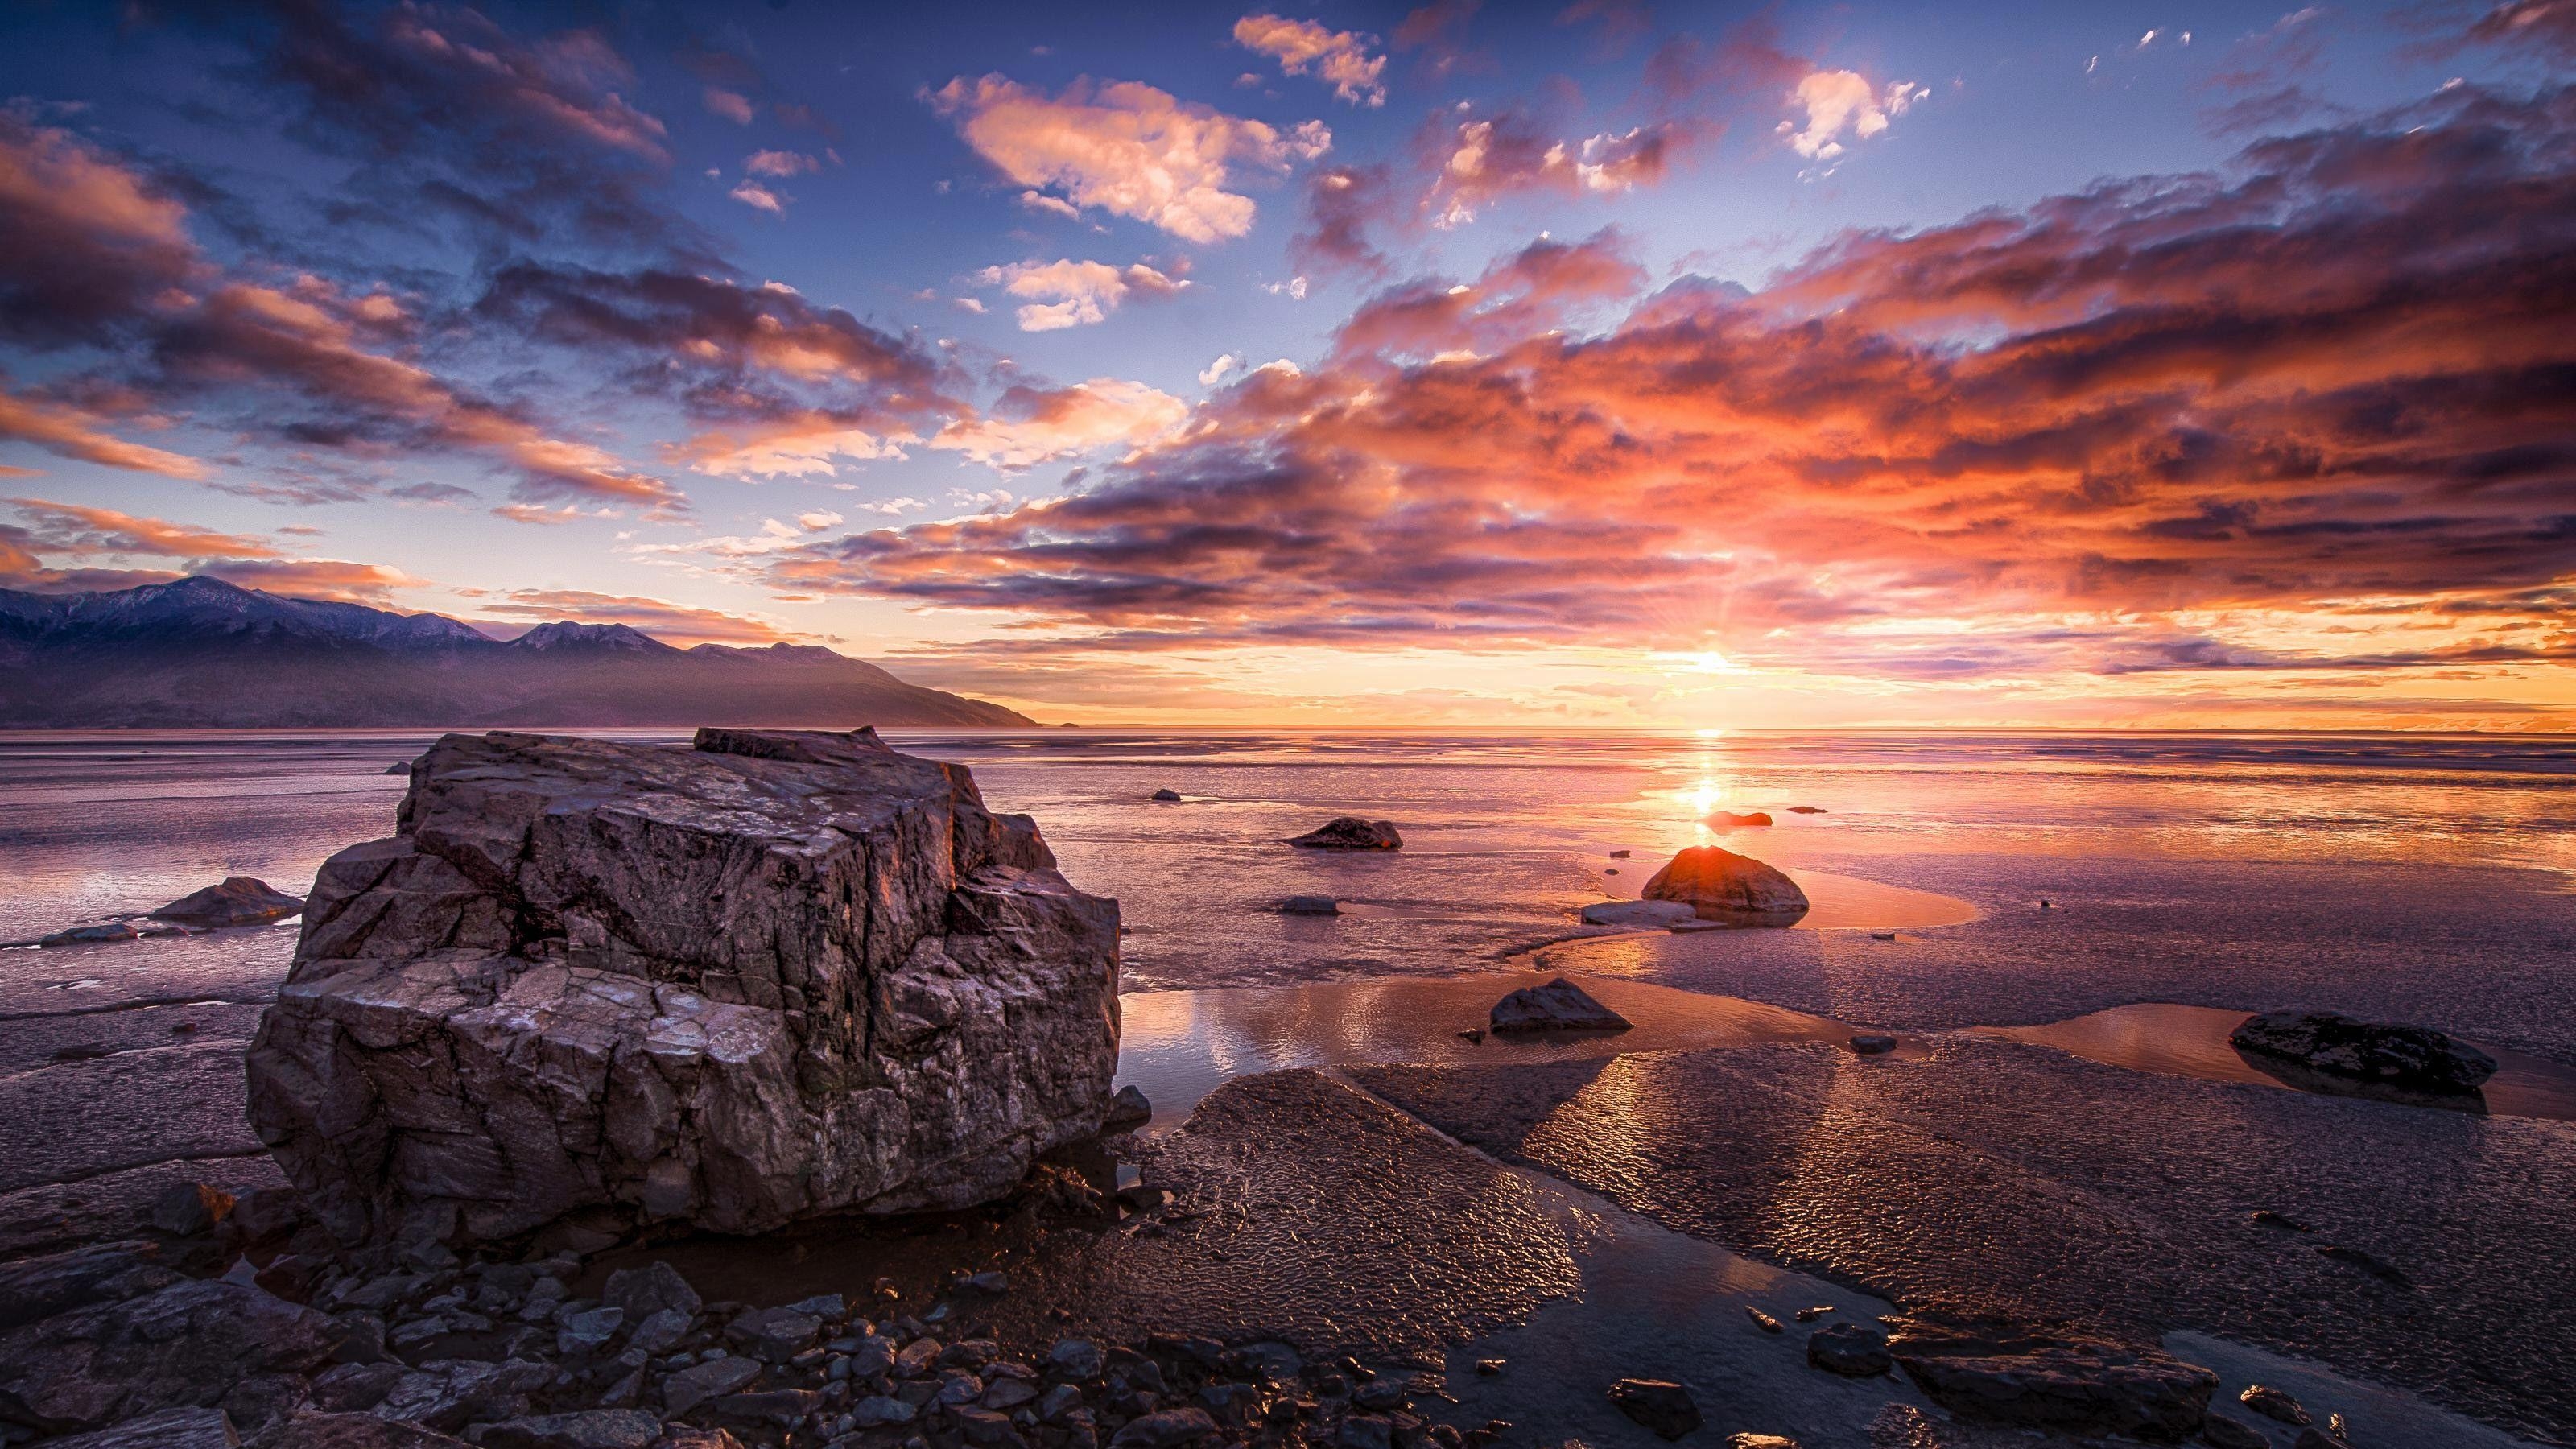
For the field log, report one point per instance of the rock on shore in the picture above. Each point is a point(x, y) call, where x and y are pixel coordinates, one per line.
point(2411, 1057)
point(779, 974)
point(239, 900)
point(1723, 886)
point(1350, 832)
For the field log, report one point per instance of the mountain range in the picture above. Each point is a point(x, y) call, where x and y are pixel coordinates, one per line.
point(202, 653)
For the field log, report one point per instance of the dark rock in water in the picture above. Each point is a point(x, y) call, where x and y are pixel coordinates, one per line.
point(1661, 1408)
point(1762, 1320)
point(1349, 832)
point(1723, 886)
point(1621, 854)
point(186, 1209)
point(2266, 1218)
point(2221, 1432)
point(239, 900)
point(398, 767)
point(589, 1429)
point(1853, 1350)
point(1760, 1441)
point(2411, 1057)
point(1560, 1005)
point(1167, 797)
point(167, 1429)
point(2071, 1385)
point(1731, 820)
point(2356, 1258)
point(1472, 1035)
point(82, 1052)
point(187, 1344)
point(1870, 1044)
point(1310, 906)
point(1807, 810)
point(1127, 1109)
point(99, 934)
point(2274, 1404)
point(778, 975)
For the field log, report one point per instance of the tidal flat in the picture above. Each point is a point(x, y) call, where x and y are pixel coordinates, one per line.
point(2057, 1138)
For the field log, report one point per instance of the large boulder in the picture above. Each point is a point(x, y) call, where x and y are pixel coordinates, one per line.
point(773, 975)
point(2414, 1058)
point(1723, 886)
point(1559, 1005)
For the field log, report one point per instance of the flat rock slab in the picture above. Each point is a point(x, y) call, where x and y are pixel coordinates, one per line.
point(2124, 1208)
point(165, 1429)
point(1638, 913)
point(2070, 1385)
point(2382, 1053)
point(1350, 832)
point(238, 900)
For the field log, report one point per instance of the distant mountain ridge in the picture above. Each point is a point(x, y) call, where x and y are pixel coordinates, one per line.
point(200, 653)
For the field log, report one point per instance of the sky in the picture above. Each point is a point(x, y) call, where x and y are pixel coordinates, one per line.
point(1579, 364)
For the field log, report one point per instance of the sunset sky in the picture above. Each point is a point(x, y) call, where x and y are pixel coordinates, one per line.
point(1595, 363)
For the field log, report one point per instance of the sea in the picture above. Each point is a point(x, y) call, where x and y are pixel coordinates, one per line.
point(1962, 882)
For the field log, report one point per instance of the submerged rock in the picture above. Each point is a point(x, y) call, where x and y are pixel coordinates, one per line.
point(1167, 796)
point(776, 975)
point(1872, 1043)
point(1663, 1409)
point(1721, 885)
point(1310, 906)
point(1128, 1108)
point(103, 932)
point(1853, 1350)
point(2071, 1385)
point(1732, 820)
point(1560, 1005)
point(1349, 832)
point(1807, 810)
point(1636, 913)
point(2277, 1405)
point(239, 900)
point(2411, 1057)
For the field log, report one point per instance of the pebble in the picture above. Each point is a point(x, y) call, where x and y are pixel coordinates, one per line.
point(1762, 1320)
point(1663, 1409)
point(2274, 1404)
point(1870, 1043)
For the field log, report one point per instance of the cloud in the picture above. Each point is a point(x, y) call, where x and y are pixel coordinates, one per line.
point(84, 534)
point(679, 624)
point(1032, 425)
point(1499, 156)
point(758, 197)
point(1052, 205)
point(793, 445)
point(727, 105)
point(2545, 26)
point(1084, 293)
point(1339, 58)
point(74, 432)
point(780, 163)
point(1215, 372)
point(1128, 149)
point(1839, 102)
point(2268, 406)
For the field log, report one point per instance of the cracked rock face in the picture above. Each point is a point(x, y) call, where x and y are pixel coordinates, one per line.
point(779, 974)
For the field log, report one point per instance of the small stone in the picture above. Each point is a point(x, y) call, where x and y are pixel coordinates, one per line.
point(1735, 820)
point(1663, 1409)
point(879, 1410)
point(660, 1332)
point(589, 1429)
point(1621, 854)
point(189, 1208)
point(1128, 1108)
point(771, 1408)
point(958, 1386)
point(1074, 1358)
point(2274, 1404)
point(1760, 1441)
point(2281, 1222)
point(587, 1331)
point(715, 1378)
point(828, 1307)
point(1348, 832)
point(1870, 1043)
point(871, 1357)
point(1008, 1394)
point(915, 1358)
point(1310, 906)
point(1165, 1429)
point(1058, 1401)
point(988, 1281)
point(1488, 1367)
point(1365, 1431)
point(1810, 1315)
point(355, 1387)
point(2356, 1258)
point(648, 1290)
point(1850, 1349)
point(1167, 796)
point(2220, 1432)
point(1559, 1005)
point(1140, 1198)
point(1762, 1320)
point(1472, 1034)
point(774, 1334)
